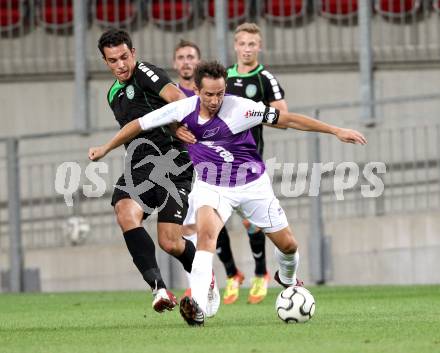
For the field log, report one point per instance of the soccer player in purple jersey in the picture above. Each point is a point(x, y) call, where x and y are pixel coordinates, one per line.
point(230, 173)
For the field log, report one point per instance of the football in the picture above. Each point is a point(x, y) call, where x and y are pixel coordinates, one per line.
point(295, 304)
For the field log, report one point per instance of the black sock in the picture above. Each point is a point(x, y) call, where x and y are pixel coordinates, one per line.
point(187, 257)
point(258, 246)
point(142, 250)
point(224, 252)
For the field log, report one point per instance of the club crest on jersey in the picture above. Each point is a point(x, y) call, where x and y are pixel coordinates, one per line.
point(130, 91)
point(211, 132)
point(251, 90)
point(253, 113)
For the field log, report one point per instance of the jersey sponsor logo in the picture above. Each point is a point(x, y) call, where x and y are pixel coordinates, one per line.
point(238, 82)
point(130, 91)
point(211, 132)
point(222, 152)
point(253, 113)
point(251, 90)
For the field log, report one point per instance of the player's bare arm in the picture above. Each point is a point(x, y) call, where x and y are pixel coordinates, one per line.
point(171, 93)
point(127, 133)
point(305, 123)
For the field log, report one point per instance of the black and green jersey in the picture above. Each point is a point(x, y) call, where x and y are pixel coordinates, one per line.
point(141, 95)
point(259, 85)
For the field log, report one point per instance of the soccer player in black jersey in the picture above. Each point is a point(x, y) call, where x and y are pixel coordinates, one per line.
point(140, 88)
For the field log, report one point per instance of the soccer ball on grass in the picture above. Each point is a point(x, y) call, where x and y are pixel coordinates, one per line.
point(295, 304)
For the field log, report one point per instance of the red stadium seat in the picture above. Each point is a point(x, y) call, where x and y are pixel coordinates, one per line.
point(56, 13)
point(396, 8)
point(284, 9)
point(169, 12)
point(12, 14)
point(339, 8)
point(237, 10)
point(114, 12)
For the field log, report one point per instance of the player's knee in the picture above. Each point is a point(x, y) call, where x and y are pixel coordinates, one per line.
point(206, 240)
point(289, 246)
point(168, 244)
point(127, 218)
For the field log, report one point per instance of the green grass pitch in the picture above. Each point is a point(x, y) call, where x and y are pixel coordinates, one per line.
point(347, 319)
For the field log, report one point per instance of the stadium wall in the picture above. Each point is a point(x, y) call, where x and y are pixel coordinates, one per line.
point(400, 248)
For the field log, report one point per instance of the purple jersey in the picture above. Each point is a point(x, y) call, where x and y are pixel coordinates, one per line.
point(188, 92)
point(225, 153)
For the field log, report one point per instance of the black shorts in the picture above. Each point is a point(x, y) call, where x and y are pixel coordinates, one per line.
point(157, 197)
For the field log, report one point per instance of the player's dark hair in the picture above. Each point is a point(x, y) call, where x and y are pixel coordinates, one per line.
point(186, 43)
point(112, 38)
point(210, 69)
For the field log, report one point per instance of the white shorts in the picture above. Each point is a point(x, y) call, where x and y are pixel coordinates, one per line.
point(254, 201)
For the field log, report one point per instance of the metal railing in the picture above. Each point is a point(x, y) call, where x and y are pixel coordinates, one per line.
point(36, 36)
point(410, 153)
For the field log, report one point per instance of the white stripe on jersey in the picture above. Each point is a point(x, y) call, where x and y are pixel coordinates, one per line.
point(274, 83)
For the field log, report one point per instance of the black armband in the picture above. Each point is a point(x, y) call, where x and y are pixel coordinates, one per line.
point(271, 115)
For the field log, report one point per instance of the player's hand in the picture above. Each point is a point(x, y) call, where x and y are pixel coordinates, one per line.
point(96, 153)
point(351, 136)
point(182, 133)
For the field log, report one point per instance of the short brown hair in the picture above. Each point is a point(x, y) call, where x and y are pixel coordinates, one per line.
point(211, 69)
point(112, 38)
point(248, 27)
point(186, 43)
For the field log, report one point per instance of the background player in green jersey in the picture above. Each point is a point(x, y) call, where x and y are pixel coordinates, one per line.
point(249, 79)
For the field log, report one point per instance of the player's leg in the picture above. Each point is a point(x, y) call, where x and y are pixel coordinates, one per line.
point(170, 233)
point(287, 255)
point(209, 225)
point(194, 305)
point(260, 282)
point(263, 209)
point(224, 253)
point(129, 216)
point(208, 209)
point(235, 277)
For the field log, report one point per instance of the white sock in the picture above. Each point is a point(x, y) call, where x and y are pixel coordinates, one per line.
point(193, 239)
point(288, 265)
point(201, 276)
